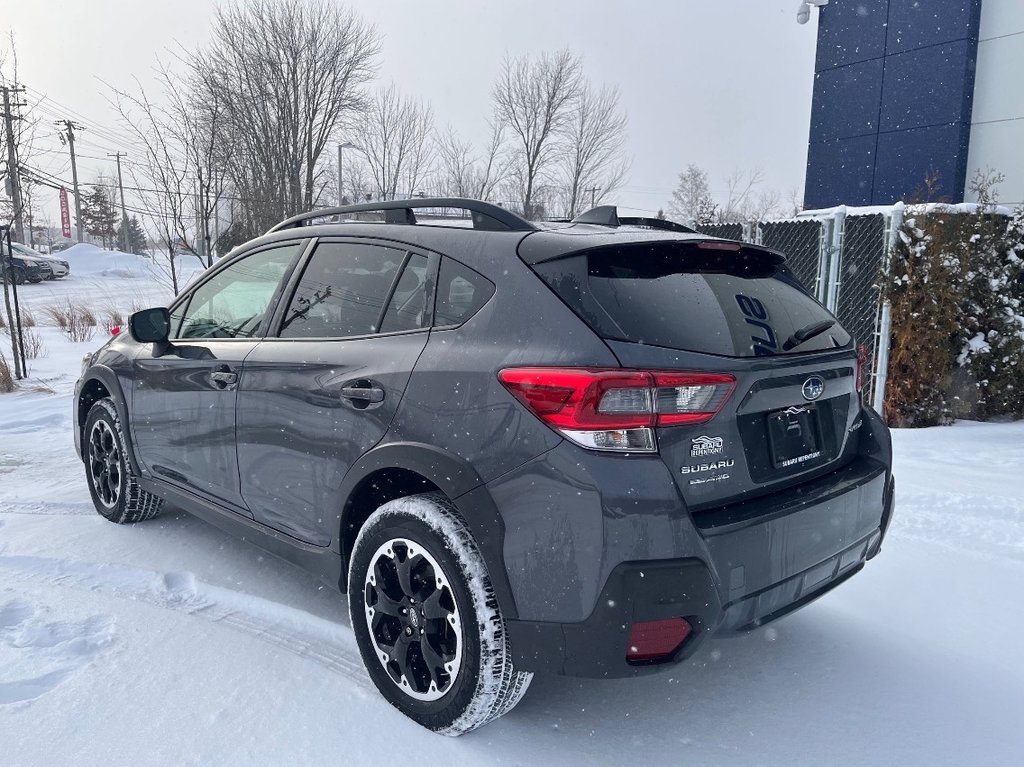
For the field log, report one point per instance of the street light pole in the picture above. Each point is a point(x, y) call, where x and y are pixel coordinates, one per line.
point(341, 186)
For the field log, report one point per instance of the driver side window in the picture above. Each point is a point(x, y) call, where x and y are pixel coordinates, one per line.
point(233, 303)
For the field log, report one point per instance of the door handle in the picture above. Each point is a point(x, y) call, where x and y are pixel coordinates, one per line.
point(364, 393)
point(224, 377)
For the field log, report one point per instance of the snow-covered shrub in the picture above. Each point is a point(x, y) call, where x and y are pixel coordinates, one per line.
point(112, 318)
point(989, 374)
point(6, 378)
point(956, 284)
point(921, 285)
point(58, 314)
point(32, 343)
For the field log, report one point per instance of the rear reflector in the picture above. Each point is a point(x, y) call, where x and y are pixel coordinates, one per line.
point(617, 409)
point(656, 640)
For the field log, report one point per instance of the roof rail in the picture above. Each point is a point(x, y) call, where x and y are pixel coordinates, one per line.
point(486, 216)
point(608, 215)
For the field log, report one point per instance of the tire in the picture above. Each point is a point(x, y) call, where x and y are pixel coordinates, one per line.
point(14, 275)
point(114, 488)
point(474, 683)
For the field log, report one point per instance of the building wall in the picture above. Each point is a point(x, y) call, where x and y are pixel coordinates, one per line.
point(997, 124)
point(894, 82)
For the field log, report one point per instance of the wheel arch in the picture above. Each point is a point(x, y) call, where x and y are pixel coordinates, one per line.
point(100, 382)
point(400, 469)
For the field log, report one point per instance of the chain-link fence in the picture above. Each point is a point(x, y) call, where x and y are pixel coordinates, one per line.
point(859, 267)
point(801, 242)
point(725, 231)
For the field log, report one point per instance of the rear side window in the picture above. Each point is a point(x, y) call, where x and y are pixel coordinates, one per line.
point(407, 309)
point(460, 293)
point(343, 291)
point(729, 303)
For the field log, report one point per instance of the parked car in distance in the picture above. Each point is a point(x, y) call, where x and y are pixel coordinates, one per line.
point(18, 268)
point(578, 448)
point(55, 268)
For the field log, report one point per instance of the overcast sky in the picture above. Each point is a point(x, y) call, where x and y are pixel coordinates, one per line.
point(724, 84)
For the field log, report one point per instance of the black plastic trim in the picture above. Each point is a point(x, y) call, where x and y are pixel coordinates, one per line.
point(317, 560)
point(635, 591)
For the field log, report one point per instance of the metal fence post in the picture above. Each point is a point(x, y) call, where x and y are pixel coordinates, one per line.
point(824, 249)
point(835, 259)
point(885, 321)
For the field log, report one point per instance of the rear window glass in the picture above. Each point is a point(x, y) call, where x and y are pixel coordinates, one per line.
point(736, 304)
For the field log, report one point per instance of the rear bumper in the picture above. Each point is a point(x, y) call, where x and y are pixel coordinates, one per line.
point(758, 570)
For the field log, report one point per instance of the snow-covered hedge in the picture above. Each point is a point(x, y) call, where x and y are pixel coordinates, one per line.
point(956, 283)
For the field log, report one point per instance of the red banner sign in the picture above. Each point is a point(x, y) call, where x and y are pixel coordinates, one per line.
point(65, 215)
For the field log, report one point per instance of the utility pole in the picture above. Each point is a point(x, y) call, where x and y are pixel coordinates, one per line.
point(593, 195)
point(12, 159)
point(69, 136)
point(124, 216)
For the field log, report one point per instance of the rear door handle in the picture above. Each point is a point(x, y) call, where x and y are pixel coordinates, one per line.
point(364, 393)
point(224, 377)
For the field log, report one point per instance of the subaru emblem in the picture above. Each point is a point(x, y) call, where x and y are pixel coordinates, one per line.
point(813, 388)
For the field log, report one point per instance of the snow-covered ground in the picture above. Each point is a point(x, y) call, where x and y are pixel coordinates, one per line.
point(169, 643)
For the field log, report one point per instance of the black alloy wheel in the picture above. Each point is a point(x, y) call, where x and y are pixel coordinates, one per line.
point(413, 619)
point(106, 464)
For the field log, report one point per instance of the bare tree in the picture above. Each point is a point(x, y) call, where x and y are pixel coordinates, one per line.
point(291, 75)
point(739, 188)
point(692, 202)
point(533, 99)
point(593, 162)
point(394, 136)
point(198, 110)
point(462, 172)
point(163, 176)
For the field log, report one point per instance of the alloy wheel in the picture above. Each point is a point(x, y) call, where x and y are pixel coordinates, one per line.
point(105, 468)
point(413, 619)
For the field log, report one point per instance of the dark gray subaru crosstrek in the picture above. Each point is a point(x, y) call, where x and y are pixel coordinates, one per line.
point(575, 448)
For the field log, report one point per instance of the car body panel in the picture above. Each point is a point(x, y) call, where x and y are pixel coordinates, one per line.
point(183, 421)
point(298, 435)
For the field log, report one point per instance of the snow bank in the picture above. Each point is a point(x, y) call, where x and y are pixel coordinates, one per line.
point(91, 261)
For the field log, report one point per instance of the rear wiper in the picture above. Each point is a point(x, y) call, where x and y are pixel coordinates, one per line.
point(807, 333)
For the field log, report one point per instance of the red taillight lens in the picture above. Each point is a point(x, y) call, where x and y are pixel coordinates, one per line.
point(115, 330)
point(617, 409)
point(656, 640)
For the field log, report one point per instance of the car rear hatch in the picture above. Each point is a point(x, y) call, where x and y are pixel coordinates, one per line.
point(782, 400)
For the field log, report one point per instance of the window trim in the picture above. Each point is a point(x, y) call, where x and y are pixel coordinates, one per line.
point(291, 285)
point(184, 300)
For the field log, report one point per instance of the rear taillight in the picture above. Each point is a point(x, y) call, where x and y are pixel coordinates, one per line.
point(617, 409)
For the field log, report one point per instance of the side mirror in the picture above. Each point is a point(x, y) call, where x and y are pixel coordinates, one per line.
point(150, 326)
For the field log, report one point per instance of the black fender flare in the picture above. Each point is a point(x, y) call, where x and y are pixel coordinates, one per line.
point(458, 480)
point(108, 378)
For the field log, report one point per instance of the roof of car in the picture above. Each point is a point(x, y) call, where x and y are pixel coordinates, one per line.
point(461, 236)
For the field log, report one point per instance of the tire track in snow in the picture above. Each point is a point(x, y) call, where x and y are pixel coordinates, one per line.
point(329, 644)
point(48, 508)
